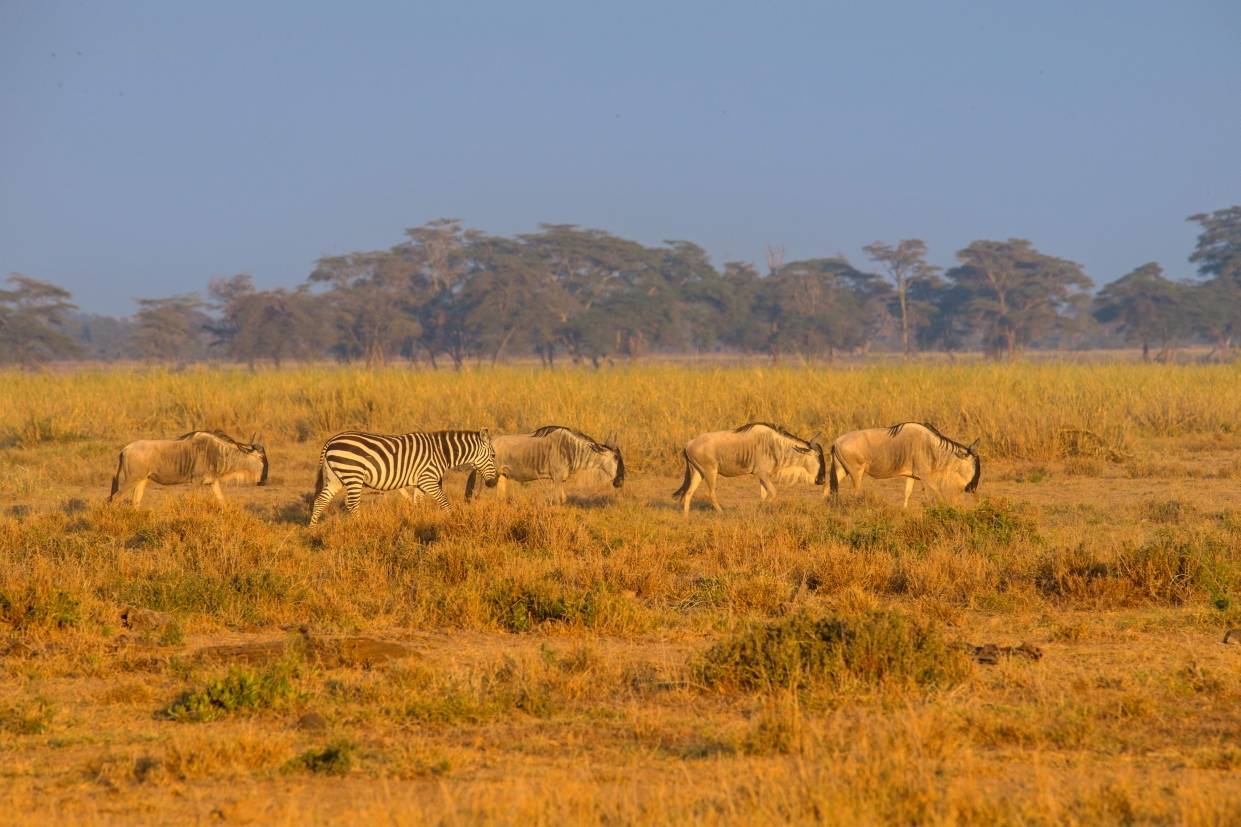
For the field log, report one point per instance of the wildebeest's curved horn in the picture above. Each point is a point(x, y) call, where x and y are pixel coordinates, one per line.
point(973, 449)
point(254, 437)
point(610, 439)
point(814, 440)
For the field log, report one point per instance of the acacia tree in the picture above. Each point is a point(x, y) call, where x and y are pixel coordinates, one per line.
point(170, 330)
point(814, 307)
point(1017, 294)
point(369, 296)
point(268, 324)
point(29, 316)
point(1217, 310)
point(906, 266)
point(1147, 308)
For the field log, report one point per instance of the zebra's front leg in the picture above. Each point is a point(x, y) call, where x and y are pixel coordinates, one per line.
point(435, 488)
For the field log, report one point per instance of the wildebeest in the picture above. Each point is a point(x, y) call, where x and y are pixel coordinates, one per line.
point(554, 453)
point(911, 450)
point(199, 457)
point(758, 448)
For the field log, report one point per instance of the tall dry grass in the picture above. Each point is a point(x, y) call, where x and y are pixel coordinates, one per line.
point(1021, 410)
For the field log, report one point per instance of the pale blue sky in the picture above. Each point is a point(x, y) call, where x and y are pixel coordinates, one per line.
point(145, 147)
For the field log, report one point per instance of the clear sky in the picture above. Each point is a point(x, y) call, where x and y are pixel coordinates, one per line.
point(145, 147)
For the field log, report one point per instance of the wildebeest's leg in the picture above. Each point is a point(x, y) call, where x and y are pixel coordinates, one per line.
point(695, 479)
point(502, 487)
point(710, 475)
point(857, 474)
point(215, 489)
point(765, 486)
point(139, 488)
point(909, 489)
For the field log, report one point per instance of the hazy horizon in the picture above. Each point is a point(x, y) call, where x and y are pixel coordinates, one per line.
point(150, 148)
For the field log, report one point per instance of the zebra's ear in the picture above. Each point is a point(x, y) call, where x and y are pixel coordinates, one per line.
point(973, 449)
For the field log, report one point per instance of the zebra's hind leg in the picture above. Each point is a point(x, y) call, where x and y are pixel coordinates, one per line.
point(331, 488)
point(353, 496)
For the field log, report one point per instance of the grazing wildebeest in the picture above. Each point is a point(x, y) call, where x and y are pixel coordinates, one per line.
point(760, 449)
point(554, 453)
point(911, 450)
point(199, 457)
point(354, 461)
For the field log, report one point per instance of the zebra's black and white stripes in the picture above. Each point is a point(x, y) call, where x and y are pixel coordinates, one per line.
point(355, 460)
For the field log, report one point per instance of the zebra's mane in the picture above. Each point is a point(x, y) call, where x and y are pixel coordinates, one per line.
point(548, 430)
point(778, 429)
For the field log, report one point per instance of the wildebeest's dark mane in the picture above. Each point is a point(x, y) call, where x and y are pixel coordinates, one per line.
point(946, 441)
point(777, 428)
point(548, 430)
point(220, 435)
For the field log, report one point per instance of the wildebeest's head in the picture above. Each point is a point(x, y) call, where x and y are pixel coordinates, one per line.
point(966, 466)
point(811, 462)
point(618, 476)
point(814, 443)
point(258, 452)
point(971, 487)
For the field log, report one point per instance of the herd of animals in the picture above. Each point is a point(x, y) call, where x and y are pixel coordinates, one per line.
point(352, 461)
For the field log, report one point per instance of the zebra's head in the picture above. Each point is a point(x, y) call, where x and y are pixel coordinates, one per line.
point(485, 459)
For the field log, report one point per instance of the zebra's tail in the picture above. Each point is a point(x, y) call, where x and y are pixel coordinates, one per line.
point(679, 494)
point(320, 481)
point(833, 480)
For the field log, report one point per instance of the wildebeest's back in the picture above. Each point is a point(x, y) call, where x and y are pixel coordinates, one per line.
point(885, 455)
point(735, 454)
point(175, 461)
point(524, 457)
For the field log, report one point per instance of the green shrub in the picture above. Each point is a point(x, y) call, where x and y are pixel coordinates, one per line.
point(800, 652)
point(241, 690)
point(334, 759)
point(33, 718)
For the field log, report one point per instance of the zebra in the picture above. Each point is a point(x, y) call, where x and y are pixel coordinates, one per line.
point(353, 460)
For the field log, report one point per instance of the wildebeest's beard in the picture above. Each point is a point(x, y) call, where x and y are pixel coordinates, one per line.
point(822, 476)
point(972, 486)
point(263, 455)
point(619, 480)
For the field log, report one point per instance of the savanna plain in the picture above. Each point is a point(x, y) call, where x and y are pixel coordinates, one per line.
point(609, 662)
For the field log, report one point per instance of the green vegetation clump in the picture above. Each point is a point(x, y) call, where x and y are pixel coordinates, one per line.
point(334, 759)
point(241, 690)
point(33, 718)
point(881, 648)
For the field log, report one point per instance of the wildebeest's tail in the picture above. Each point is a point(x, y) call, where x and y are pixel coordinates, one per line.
point(679, 494)
point(833, 481)
point(116, 478)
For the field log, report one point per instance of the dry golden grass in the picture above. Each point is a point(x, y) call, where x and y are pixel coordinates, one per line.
point(559, 676)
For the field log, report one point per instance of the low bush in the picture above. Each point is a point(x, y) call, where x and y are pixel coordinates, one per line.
point(241, 690)
point(881, 648)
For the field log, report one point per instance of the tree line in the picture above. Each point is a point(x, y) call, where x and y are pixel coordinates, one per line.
point(448, 295)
